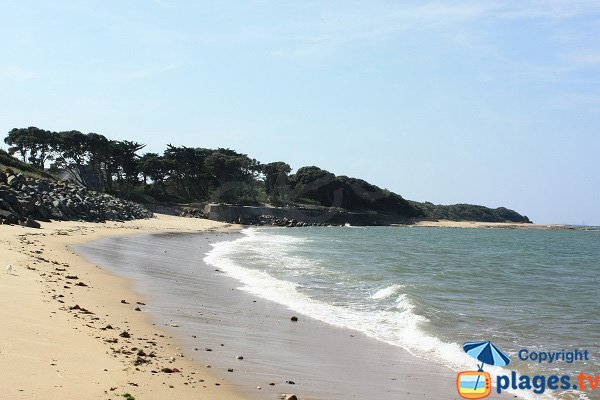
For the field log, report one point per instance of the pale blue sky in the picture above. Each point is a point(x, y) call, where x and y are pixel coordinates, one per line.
point(494, 103)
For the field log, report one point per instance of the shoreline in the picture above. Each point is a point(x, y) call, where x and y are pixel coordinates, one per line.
point(51, 336)
point(219, 321)
point(64, 323)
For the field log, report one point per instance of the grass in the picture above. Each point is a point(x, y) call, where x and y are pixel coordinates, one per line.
point(8, 161)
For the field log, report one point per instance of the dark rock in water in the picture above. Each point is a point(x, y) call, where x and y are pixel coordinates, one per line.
point(294, 319)
point(137, 309)
point(291, 397)
point(290, 382)
point(125, 334)
point(124, 302)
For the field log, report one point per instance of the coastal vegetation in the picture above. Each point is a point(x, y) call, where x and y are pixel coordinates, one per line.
point(192, 174)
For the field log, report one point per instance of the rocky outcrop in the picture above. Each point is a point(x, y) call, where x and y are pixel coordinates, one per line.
point(24, 201)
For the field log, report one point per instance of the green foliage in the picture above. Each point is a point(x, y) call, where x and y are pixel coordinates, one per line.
point(34, 145)
point(183, 174)
point(470, 212)
point(7, 161)
point(276, 179)
point(324, 188)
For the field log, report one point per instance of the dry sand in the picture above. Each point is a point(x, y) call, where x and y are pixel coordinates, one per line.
point(48, 350)
point(484, 225)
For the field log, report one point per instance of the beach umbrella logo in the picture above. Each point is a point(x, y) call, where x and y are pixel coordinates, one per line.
point(478, 384)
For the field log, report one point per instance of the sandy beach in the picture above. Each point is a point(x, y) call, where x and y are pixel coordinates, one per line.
point(71, 328)
point(66, 332)
point(484, 225)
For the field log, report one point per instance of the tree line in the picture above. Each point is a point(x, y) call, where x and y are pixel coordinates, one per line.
point(187, 174)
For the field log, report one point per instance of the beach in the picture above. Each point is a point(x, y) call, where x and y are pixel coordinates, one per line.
point(60, 340)
point(166, 307)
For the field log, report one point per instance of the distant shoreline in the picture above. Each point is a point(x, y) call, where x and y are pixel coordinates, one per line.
point(492, 225)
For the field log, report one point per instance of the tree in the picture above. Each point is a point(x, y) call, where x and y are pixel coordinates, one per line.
point(126, 160)
point(99, 150)
point(314, 183)
point(235, 174)
point(38, 143)
point(156, 168)
point(71, 149)
point(276, 179)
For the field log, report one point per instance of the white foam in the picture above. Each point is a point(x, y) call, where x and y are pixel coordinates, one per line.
point(387, 292)
point(398, 326)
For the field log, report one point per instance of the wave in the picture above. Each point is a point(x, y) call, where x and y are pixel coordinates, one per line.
point(398, 325)
point(386, 292)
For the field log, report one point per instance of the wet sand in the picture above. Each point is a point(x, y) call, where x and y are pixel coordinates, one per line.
point(55, 339)
point(216, 322)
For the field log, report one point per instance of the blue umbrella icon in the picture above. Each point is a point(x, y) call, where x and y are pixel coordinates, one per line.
point(487, 353)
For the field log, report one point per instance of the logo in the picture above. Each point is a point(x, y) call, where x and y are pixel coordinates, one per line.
point(473, 384)
point(478, 384)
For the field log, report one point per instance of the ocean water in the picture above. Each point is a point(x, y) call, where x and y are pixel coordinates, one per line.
point(429, 290)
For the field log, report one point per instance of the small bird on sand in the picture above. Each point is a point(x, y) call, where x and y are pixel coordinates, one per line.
point(9, 269)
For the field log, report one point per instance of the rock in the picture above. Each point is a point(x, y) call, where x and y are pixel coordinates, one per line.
point(137, 309)
point(290, 382)
point(294, 319)
point(240, 357)
point(28, 200)
point(290, 397)
point(125, 334)
point(30, 223)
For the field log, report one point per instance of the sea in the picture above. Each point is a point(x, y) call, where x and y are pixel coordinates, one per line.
point(430, 290)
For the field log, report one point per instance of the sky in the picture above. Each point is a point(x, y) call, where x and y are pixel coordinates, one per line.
point(484, 102)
